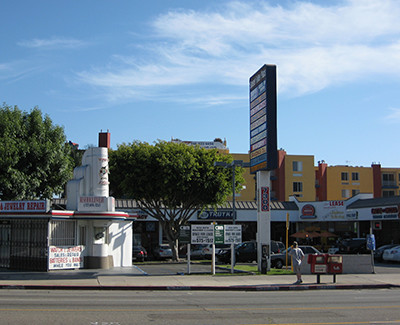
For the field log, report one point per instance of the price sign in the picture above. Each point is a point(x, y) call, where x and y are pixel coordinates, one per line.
point(264, 199)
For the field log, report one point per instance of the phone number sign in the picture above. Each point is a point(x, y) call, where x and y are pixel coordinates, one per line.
point(216, 234)
point(202, 234)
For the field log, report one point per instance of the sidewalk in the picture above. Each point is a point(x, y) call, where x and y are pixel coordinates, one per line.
point(132, 278)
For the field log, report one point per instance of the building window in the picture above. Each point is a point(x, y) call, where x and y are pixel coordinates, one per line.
point(297, 166)
point(388, 177)
point(345, 194)
point(355, 177)
point(355, 192)
point(388, 193)
point(345, 176)
point(388, 180)
point(297, 187)
point(62, 233)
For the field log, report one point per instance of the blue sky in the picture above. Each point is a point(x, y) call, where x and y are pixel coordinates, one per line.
point(148, 70)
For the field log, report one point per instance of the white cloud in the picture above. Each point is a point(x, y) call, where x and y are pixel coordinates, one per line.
point(314, 47)
point(52, 43)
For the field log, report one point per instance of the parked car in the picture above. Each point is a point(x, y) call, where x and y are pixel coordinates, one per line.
point(162, 252)
point(244, 252)
point(333, 250)
point(196, 251)
point(207, 250)
point(277, 247)
point(378, 253)
point(139, 253)
point(247, 251)
point(279, 260)
point(353, 246)
point(391, 254)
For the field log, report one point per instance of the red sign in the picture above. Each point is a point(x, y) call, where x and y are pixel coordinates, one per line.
point(308, 210)
point(23, 206)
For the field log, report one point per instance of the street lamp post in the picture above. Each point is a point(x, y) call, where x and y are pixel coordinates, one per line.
point(233, 165)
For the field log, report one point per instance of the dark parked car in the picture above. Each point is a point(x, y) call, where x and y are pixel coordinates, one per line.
point(353, 246)
point(247, 251)
point(139, 253)
point(277, 247)
point(279, 260)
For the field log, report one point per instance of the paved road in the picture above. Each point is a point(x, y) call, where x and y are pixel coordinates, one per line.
point(199, 308)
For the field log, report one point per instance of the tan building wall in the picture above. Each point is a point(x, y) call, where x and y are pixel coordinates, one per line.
point(300, 177)
point(347, 181)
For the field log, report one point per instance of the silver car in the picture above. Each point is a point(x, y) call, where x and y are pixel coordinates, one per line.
point(162, 252)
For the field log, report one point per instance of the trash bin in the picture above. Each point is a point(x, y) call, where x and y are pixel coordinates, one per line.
point(264, 265)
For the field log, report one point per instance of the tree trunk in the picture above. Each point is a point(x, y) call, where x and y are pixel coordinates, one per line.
point(172, 238)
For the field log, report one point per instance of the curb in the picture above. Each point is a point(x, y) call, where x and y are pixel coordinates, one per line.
point(206, 288)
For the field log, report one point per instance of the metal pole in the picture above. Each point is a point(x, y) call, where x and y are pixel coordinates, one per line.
point(287, 239)
point(234, 193)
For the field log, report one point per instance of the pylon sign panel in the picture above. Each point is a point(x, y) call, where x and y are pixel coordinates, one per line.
point(263, 107)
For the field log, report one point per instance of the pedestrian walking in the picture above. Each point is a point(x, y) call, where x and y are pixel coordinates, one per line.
point(297, 257)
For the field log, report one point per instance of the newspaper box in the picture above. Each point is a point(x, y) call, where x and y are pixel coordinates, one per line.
point(318, 263)
point(335, 264)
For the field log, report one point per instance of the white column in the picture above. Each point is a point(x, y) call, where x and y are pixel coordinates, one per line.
point(263, 214)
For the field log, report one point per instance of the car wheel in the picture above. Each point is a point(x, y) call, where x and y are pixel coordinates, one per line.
point(278, 264)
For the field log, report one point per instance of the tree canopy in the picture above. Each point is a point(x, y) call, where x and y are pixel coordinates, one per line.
point(171, 181)
point(35, 161)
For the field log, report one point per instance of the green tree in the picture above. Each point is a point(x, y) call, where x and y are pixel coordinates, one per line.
point(35, 161)
point(171, 181)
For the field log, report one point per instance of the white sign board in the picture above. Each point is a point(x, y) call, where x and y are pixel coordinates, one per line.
point(202, 234)
point(65, 257)
point(233, 234)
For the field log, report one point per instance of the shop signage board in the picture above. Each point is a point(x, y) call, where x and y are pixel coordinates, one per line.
point(263, 107)
point(215, 215)
point(385, 212)
point(24, 206)
point(65, 257)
